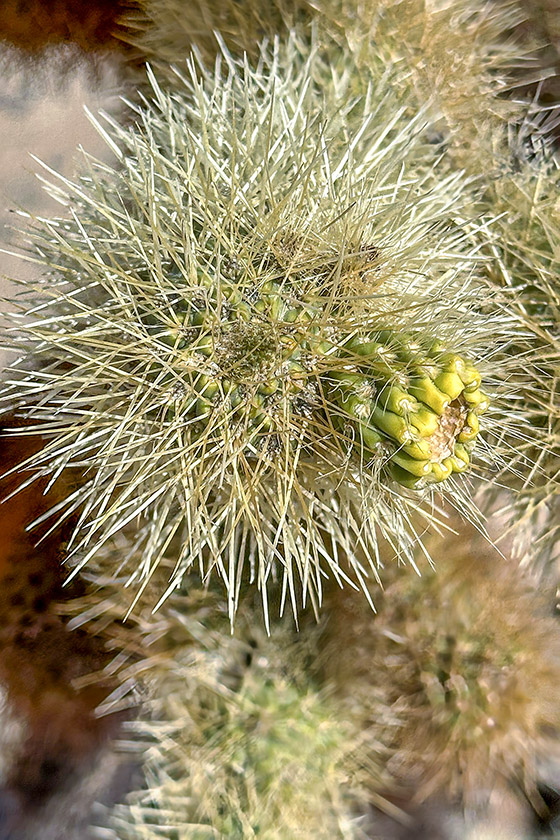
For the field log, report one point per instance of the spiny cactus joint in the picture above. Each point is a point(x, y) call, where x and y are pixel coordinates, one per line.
point(246, 338)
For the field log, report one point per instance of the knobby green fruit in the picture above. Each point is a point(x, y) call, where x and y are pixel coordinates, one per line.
point(422, 410)
point(258, 338)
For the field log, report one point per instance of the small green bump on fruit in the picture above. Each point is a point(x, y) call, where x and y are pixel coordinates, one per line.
point(404, 478)
point(462, 454)
point(357, 407)
point(438, 350)
point(471, 377)
point(425, 391)
point(206, 386)
point(471, 428)
point(450, 384)
point(411, 465)
point(458, 464)
point(292, 315)
point(245, 311)
point(369, 349)
point(262, 422)
point(393, 425)
point(447, 464)
point(370, 439)
point(198, 317)
point(204, 345)
point(343, 379)
point(441, 471)
point(297, 371)
point(318, 344)
point(451, 362)
point(270, 387)
point(419, 449)
point(396, 400)
point(476, 399)
point(425, 421)
point(288, 342)
point(202, 408)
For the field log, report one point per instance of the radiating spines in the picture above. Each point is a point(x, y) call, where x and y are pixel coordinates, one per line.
point(236, 738)
point(258, 355)
point(204, 297)
point(525, 263)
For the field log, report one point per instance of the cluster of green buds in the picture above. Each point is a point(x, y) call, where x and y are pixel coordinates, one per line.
point(419, 405)
point(258, 356)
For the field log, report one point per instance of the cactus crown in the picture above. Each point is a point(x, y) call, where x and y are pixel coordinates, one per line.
point(262, 328)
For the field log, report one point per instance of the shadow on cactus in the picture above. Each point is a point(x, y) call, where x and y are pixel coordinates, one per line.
point(260, 336)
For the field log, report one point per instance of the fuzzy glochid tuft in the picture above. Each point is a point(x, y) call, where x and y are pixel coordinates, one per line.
point(262, 337)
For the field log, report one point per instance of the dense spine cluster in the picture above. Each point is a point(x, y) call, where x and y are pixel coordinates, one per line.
point(256, 354)
point(246, 337)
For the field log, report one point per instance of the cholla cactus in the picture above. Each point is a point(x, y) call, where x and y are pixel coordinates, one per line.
point(524, 248)
point(239, 743)
point(236, 737)
point(454, 59)
point(262, 326)
point(457, 675)
point(465, 64)
point(266, 339)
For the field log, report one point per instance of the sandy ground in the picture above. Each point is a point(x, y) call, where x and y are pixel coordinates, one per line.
point(42, 113)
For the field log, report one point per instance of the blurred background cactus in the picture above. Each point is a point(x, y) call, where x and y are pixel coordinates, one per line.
point(309, 311)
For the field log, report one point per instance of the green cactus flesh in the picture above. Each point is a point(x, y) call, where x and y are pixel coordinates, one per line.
point(253, 354)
